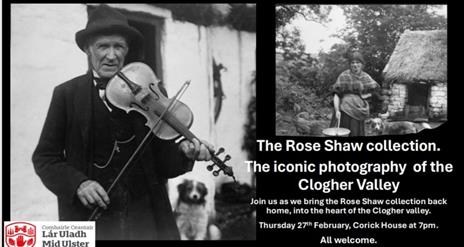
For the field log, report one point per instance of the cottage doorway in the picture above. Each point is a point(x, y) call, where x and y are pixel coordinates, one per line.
point(418, 95)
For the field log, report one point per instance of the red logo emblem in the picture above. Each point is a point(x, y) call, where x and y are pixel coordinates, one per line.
point(20, 234)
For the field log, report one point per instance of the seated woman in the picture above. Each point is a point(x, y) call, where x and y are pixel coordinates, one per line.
point(351, 90)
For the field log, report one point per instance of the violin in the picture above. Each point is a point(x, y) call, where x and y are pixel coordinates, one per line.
point(135, 88)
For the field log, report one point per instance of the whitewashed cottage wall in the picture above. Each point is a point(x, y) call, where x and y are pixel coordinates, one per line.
point(43, 55)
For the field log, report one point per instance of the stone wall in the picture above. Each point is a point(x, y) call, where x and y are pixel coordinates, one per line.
point(398, 99)
point(438, 102)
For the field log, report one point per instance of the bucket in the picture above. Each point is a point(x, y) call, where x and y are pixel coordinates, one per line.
point(336, 131)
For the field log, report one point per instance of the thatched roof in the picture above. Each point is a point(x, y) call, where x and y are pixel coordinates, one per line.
point(419, 56)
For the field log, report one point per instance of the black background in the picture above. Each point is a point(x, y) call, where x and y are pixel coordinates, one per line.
point(277, 186)
point(422, 186)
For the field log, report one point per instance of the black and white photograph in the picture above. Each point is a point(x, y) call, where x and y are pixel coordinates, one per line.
point(136, 116)
point(230, 124)
point(360, 70)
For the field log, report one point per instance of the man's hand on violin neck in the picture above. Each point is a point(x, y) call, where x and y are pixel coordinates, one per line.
point(91, 193)
point(196, 150)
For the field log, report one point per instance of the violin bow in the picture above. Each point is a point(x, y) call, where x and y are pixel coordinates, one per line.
point(123, 169)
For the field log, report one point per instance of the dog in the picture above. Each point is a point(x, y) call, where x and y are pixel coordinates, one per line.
point(381, 126)
point(194, 209)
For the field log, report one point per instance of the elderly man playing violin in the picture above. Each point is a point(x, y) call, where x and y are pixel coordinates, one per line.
point(86, 141)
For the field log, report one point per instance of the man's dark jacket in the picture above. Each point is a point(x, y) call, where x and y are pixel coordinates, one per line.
point(63, 158)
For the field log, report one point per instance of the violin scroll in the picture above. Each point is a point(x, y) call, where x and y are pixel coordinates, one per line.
point(220, 164)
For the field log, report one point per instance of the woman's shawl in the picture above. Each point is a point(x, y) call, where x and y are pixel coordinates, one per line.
point(349, 87)
point(347, 82)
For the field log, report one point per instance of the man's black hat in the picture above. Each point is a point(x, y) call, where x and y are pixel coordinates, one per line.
point(106, 20)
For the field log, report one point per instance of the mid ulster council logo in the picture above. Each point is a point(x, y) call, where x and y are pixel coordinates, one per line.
point(20, 234)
